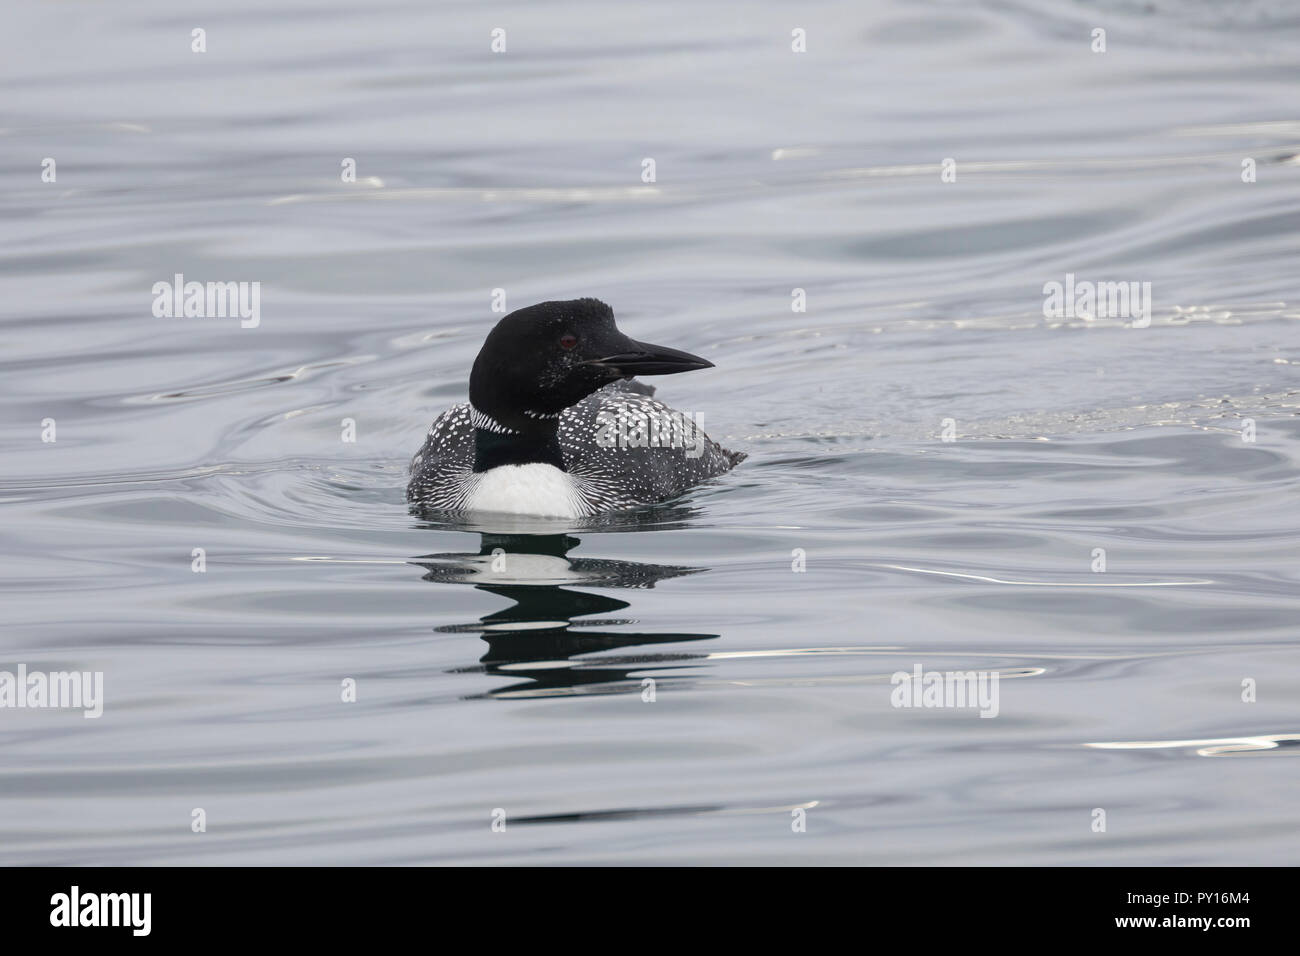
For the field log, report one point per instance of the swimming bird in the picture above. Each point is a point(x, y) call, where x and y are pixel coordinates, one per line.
point(555, 425)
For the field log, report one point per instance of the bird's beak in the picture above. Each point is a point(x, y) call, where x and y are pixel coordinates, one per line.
point(644, 359)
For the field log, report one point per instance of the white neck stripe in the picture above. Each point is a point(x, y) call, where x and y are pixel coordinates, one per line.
point(486, 422)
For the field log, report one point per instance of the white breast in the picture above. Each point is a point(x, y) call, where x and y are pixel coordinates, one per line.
point(532, 489)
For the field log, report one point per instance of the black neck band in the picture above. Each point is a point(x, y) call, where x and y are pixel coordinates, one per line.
point(492, 449)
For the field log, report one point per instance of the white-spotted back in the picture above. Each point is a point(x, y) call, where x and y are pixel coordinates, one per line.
point(599, 475)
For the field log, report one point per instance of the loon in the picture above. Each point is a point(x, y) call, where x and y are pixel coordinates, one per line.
point(556, 427)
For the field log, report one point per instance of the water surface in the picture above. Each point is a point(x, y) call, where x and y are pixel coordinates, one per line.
point(521, 688)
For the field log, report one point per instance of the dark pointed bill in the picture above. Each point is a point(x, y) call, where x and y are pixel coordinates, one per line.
point(645, 359)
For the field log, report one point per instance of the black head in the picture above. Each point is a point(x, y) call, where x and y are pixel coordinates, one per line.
point(538, 361)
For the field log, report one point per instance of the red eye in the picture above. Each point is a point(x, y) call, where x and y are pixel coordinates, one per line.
point(568, 341)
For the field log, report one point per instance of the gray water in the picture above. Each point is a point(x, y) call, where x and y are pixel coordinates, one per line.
point(523, 690)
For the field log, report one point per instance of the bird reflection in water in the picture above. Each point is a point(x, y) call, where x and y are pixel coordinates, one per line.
point(537, 640)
